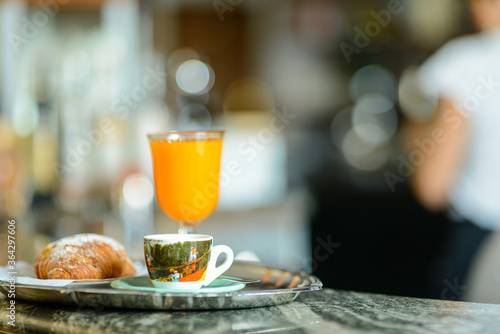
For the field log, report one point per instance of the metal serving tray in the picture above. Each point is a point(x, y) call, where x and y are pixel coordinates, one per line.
point(277, 286)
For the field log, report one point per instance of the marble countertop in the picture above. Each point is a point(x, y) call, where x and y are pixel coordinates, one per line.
point(326, 311)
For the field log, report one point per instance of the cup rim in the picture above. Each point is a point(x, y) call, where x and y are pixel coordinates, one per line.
point(175, 237)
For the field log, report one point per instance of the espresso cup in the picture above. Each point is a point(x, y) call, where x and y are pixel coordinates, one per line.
point(184, 261)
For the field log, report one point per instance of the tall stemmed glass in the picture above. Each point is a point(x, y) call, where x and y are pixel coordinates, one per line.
point(186, 172)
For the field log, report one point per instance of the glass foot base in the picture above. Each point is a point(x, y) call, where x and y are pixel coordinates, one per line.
point(186, 230)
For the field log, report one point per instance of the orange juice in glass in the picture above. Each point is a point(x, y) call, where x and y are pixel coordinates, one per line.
point(186, 172)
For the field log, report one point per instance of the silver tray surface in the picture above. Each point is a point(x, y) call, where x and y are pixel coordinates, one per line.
point(277, 286)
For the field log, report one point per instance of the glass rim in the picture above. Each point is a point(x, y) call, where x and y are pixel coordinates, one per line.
point(184, 134)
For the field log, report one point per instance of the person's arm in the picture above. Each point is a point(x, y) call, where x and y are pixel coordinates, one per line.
point(448, 132)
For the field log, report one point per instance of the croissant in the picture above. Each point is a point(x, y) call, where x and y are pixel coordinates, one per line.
point(84, 256)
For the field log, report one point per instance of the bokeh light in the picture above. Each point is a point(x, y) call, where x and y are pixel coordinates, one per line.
point(415, 105)
point(361, 155)
point(194, 77)
point(374, 118)
point(138, 191)
point(362, 132)
point(373, 79)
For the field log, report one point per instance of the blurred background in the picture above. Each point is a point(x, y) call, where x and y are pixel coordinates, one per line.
point(312, 96)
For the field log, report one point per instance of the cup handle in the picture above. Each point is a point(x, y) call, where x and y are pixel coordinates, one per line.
point(212, 271)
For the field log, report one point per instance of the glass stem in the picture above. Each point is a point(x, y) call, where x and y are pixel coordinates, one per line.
point(185, 229)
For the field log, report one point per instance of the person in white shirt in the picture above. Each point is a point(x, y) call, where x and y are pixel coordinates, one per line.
point(461, 173)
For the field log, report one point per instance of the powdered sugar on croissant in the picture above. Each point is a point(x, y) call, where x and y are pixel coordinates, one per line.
point(84, 256)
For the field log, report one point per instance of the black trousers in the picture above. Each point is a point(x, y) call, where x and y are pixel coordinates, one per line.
point(450, 272)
